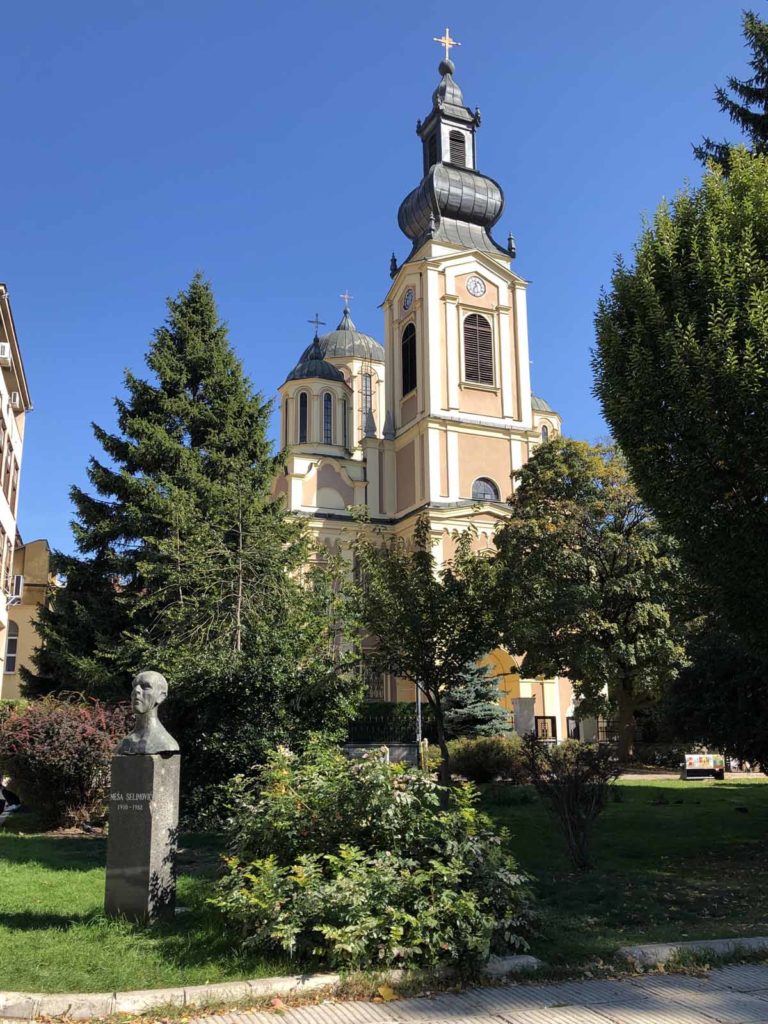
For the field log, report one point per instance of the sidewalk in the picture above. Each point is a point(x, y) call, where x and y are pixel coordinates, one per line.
point(735, 994)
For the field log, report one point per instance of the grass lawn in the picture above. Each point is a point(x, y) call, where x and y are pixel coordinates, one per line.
point(54, 938)
point(674, 860)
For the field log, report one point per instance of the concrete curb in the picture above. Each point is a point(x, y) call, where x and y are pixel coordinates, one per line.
point(662, 952)
point(84, 1005)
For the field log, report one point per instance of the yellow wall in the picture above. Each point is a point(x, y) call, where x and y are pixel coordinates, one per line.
point(32, 562)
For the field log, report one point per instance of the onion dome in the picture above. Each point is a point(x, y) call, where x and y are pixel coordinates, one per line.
point(313, 365)
point(539, 405)
point(346, 342)
point(454, 203)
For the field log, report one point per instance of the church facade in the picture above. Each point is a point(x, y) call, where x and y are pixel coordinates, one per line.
point(439, 417)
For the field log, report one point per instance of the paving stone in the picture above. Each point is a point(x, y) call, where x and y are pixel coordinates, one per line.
point(652, 1012)
point(447, 1006)
point(557, 1015)
point(587, 993)
point(729, 1007)
point(505, 998)
point(342, 1013)
point(742, 977)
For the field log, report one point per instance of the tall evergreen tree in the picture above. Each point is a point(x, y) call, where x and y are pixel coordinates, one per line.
point(186, 564)
point(747, 107)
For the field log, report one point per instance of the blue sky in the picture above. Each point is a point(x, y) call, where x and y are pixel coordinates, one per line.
point(269, 145)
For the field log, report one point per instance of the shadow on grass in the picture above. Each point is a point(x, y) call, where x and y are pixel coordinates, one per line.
point(30, 921)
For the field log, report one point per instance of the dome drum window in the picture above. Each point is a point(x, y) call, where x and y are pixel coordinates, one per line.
point(484, 489)
point(367, 393)
point(327, 418)
point(478, 350)
point(544, 432)
point(303, 401)
point(408, 352)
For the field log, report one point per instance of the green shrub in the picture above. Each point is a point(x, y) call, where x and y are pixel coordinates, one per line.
point(573, 779)
point(57, 754)
point(486, 758)
point(355, 864)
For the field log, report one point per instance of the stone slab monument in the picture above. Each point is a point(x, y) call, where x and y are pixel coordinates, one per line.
point(143, 811)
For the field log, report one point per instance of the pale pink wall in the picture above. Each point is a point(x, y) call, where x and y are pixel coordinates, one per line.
point(484, 456)
point(405, 462)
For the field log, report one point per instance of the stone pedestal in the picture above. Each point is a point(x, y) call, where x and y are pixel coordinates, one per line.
point(141, 847)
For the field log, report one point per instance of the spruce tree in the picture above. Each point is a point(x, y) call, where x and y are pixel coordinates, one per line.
point(747, 107)
point(186, 565)
point(472, 706)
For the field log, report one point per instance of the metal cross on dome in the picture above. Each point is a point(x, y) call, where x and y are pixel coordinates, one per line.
point(447, 42)
point(346, 296)
point(317, 322)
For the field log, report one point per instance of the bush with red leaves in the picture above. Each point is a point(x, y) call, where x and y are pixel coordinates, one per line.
point(58, 753)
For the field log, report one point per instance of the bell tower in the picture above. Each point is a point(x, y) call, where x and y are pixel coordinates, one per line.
point(458, 395)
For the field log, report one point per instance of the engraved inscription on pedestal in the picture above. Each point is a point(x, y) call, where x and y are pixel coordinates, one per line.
point(143, 811)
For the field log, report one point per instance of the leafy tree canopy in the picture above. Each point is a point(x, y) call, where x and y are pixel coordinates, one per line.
point(431, 622)
point(680, 370)
point(590, 581)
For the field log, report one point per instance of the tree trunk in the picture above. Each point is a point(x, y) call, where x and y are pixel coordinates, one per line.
point(445, 764)
point(625, 728)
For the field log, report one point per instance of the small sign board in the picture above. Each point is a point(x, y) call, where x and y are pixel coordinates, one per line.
point(704, 766)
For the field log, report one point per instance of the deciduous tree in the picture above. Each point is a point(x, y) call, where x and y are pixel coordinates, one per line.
point(590, 582)
point(431, 622)
point(681, 370)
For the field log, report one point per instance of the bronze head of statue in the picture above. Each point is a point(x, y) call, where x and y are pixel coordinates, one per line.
point(149, 735)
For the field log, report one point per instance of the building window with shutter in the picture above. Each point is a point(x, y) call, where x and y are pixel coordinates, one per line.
point(458, 149)
point(478, 350)
point(327, 418)
point(367, 393)
point(303, 417)
point(409, 359)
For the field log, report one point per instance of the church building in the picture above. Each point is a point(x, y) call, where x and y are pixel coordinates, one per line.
point(439, 415)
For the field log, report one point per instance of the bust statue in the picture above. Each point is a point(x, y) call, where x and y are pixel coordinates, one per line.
point(149, 736)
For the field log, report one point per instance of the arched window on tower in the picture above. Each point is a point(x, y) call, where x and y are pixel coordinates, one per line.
point(327, 418)
point(367, 393)
point(478, 350)
point(11, 647)
point(303, 417)
point(344, 429)
point(544, 432)
point(408, 352)
point(484, 489)
point(458, 146)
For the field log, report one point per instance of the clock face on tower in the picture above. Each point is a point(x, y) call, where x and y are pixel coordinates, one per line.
point(408, 299)
point(475, 286)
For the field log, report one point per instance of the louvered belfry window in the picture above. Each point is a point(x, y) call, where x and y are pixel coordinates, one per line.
point(458, 149)
point(409, 359)
point(478, 350)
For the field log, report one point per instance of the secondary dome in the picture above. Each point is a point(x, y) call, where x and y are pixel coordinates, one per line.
point(313, 365)
point(539, 405)
point(346, 342)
